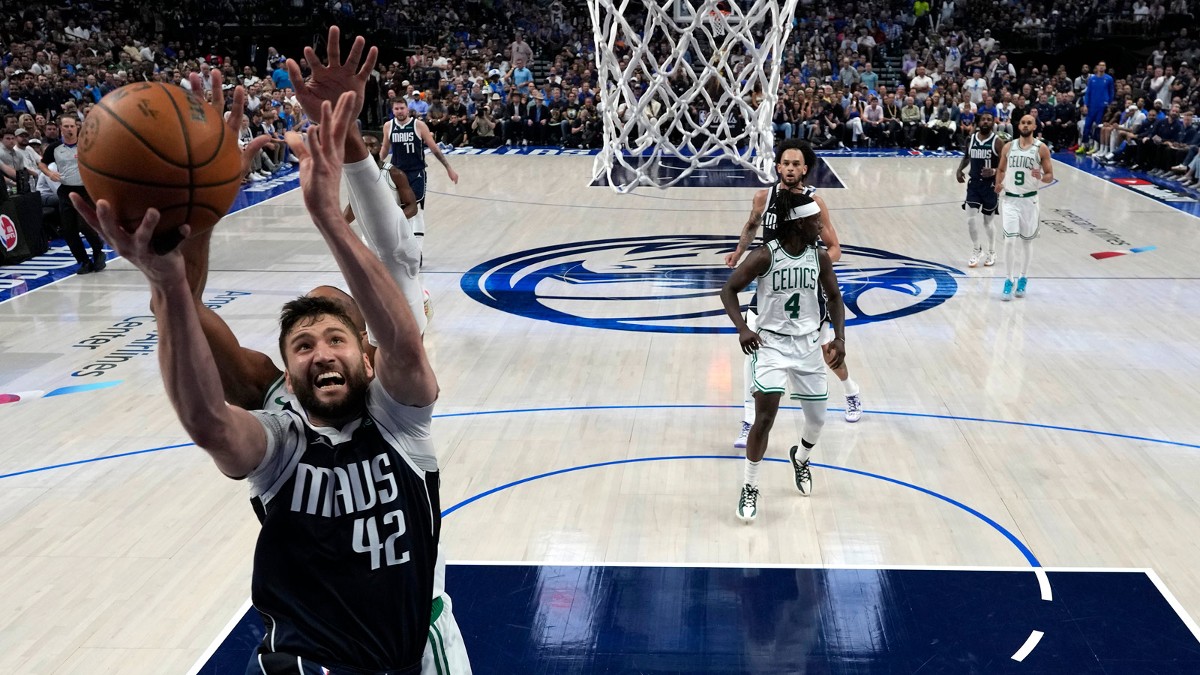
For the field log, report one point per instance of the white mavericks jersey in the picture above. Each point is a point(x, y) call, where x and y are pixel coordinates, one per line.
point(789, 296)
point(1018, 179)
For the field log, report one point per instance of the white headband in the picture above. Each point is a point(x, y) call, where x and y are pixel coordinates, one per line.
point(804, 211)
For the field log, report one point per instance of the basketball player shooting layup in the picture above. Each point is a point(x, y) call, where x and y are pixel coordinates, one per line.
point(377, 429)
point(983, 155)
point(795, 159)
point(795, 280)
point(1024, 167)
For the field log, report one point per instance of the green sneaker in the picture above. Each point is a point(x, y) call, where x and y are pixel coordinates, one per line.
point(747, 509)
point(803, 475)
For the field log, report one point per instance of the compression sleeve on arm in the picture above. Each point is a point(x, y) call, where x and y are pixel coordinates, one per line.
point(388, 232)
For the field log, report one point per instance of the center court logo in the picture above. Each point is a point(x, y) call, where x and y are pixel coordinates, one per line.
point(671, 284)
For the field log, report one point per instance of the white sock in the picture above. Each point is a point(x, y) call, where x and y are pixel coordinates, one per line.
point(989, 228)
point(803, 453)
point(752, 473)
point(1027, 257)
point(850, 386)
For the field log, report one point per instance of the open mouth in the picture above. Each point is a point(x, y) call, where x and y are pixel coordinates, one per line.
point(331, 379)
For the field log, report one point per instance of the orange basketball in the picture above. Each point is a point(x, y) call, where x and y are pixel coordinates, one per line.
point(154, 145)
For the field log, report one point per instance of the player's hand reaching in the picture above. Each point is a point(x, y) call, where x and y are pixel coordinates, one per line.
point(332, 78)
point(138, 246)
point(321, 160)
point(234, 122)
point(750, 340)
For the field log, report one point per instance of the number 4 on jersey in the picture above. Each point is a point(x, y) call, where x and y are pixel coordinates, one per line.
point(793, 306)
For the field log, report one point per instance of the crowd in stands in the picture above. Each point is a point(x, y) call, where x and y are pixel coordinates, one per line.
point(485, 73)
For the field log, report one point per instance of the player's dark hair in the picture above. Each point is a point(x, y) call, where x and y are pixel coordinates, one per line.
point(306, 310)
point(793, 229)
point(400, 99)
point(810, 156)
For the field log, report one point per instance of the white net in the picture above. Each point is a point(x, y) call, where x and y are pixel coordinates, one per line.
point(686, 85)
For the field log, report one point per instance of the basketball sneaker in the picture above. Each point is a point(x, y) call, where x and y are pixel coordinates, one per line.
point(747, 509)
point(99, 261)
point(743, 435)
point(1007, 290)
point(803, 475)
point(853, 408)
point(428, 305)
point(975, 256)
point(989, 259)
point(1021, 287)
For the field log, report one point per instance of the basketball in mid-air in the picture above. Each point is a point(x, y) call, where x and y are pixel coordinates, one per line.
point(153, 145)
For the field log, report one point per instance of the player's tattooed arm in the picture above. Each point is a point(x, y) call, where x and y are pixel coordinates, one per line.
point(427, 136)
point(829, 235)
point(1003, 168)
point(750, 229)
point(966, 160)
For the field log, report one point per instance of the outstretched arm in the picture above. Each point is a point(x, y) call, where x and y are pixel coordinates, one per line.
point(400, 362)
point(382, 221)
point(750, 229)
point(233, 437)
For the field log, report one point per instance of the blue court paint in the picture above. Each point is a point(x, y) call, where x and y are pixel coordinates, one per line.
point(724, 174)
point(95, 459)
point(58, 264)
point(1162, 190)
point(75, 389)
point(552, 619)
point(653, 277)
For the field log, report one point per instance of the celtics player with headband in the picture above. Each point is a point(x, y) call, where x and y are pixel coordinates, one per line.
point(795, 281)
point(1024, 167)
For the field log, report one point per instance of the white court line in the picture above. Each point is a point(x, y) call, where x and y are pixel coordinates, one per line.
point(1032, 641)
point(1166, 593)
point(829, 166)
point(212, 648)
point(1044, 584)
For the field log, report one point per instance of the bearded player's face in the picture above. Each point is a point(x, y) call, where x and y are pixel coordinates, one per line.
point(791, 168)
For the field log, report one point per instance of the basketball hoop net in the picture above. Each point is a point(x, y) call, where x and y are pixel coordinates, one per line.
point(698, 87)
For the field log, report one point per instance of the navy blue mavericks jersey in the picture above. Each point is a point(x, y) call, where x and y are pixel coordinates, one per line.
point(771, 216)
point(408, 150)
point(344, 566)
point(983, 156)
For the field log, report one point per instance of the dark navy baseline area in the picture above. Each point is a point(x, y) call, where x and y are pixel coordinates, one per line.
point(552, 620)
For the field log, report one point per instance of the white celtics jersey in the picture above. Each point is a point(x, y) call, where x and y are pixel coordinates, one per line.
point(1018, 177)
point(789, 297)
point(277, 396)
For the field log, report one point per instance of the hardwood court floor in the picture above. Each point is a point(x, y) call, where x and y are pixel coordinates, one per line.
point(134, 564)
